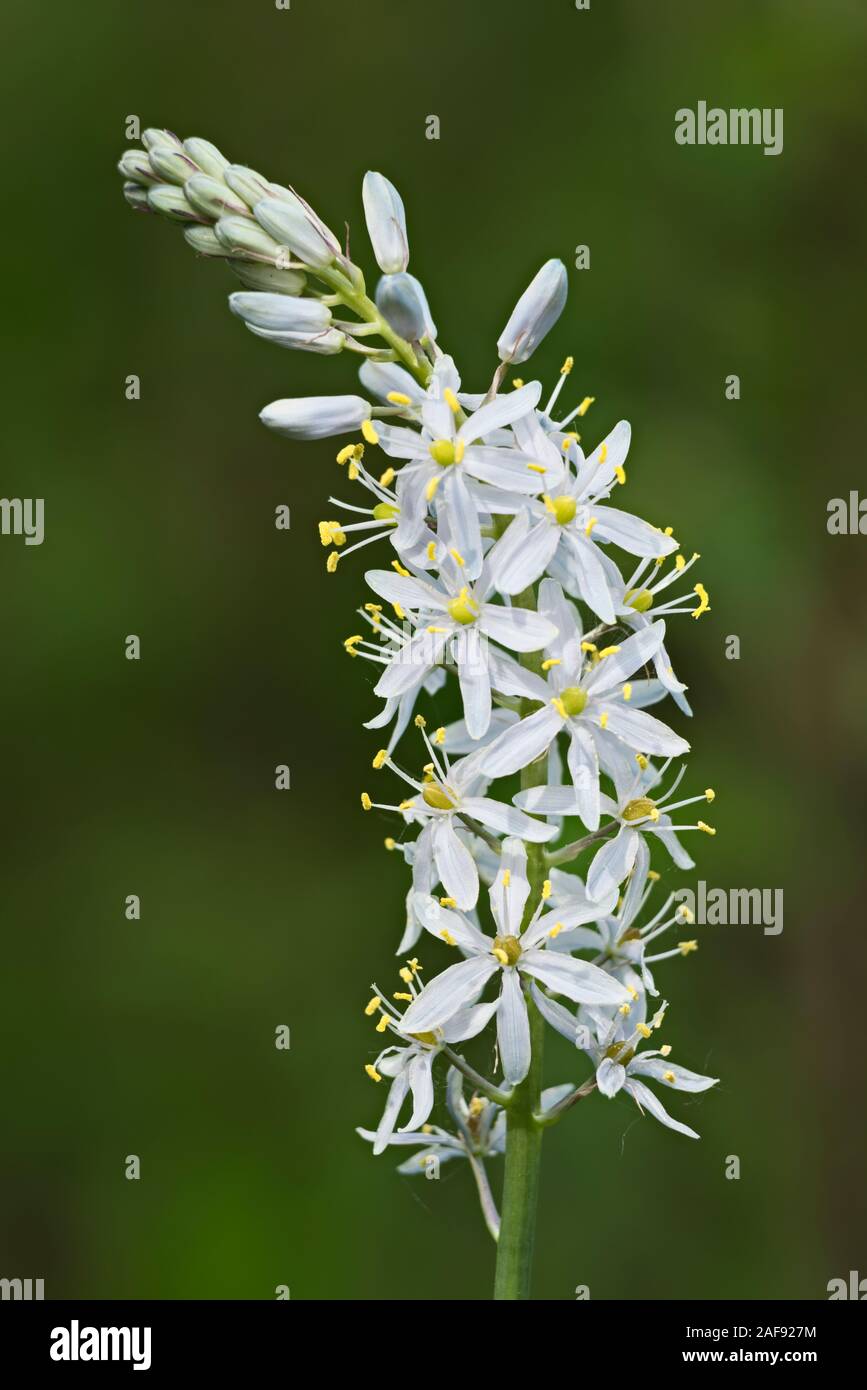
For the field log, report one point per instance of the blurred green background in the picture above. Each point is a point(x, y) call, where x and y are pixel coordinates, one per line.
point(262, 908)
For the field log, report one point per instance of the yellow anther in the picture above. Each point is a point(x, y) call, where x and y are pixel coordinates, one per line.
point(325, 532)
point(460, 450)
point(440, 735)
point(588, 647)
point(537, 468)
point(603, 721)
point(594, 520)
point(366, 803)
point(372, 1072)
point(551, 661)
point(555, 930)
point(451, 401)
point(567, 366)
point(431, 551)
point(686, 946)
point(387, 478)
point(477, 1106)
point(708, 829)
point(383, 1023)
point(447, 937)
point(426, 1129)
point(547, 889)
point(625, 1010)
point(703, 601)
point(406, 805)
point(668, 1076)
point(457, 557)
point(374, 609)
point(709, 794)
point(685, 914)
point(608, 651)
point(433, 628)
point(665, 1050)
point(331, 562)
point(396, 565)
point(346, 453)
point(420, 722)
point(603, 451)
point(507, 877)
point(641, 760)
point(633, 991)
point(643, 1029)
point(627, 692)
point(430, 490)
point(679, 562)
point(447, 902)
point(560, 707)
point(352, 642)
point(586, 404)
point(500, 955)
point(352, 471)
point(373, 1005)
point(415, 965)
point(390, 842)
point(398, 398)
point(405, 975)
point(380, 759)
point(669, 531)
point(517, 383)
point(403, 997)
point(620, 474)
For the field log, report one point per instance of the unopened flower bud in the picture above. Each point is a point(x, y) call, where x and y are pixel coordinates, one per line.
point(243, 237)
point(137, 197)
point(386, 223)
point(280, 312)
point(247, 184)
point(136, 166)
point(171, 202)
point(315, 417)
point(403, 303)
point(212, 198)
point(204, 241)
point(154, 139)
point(292, 223)
point(535, 313)
point(269, 277)
point(326, 341)
point(173, 166)
point(207, 156)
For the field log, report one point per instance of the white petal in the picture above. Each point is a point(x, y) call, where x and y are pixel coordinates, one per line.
point(521, 744)
point(583, 761)
point(646, 1100)
point(631, 533)
point(522, 554)
point(468, 1023)
point(455, 865)
point(513, 1029)
point(456, 988)
point(635, 652)
point(610, 1077)
point(612, 862)
point(516, 628)
point(548, 801)
point(501, 411)
point(577, 979)
point(421, 1085)
point(506, 819)
point(439, 920)
point(591, 576)
point(385, 1128)
point(403, 589)
point(670, 1074)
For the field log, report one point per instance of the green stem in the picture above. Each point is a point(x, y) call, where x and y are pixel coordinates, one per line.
point(523, 1131)
point(354, 296)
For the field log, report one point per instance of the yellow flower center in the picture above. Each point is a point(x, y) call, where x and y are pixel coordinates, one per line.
point(442, 451)
point(437, 798)
point(430, 1038)
point(639, 808)
point(507, 949)
point(385, 511)
point(639, 600)
point(564, 509)
point(464, 608)
point(574, 699)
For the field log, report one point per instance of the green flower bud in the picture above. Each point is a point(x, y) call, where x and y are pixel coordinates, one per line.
point(247, 184)
point(268, 277)
point(207, 156)
point(153, 139)
point(245, 239)
point(173, 166)
point(137, 197)
point(212, 198)
point(204, 241)
point(135, 166)
point(170, 201)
